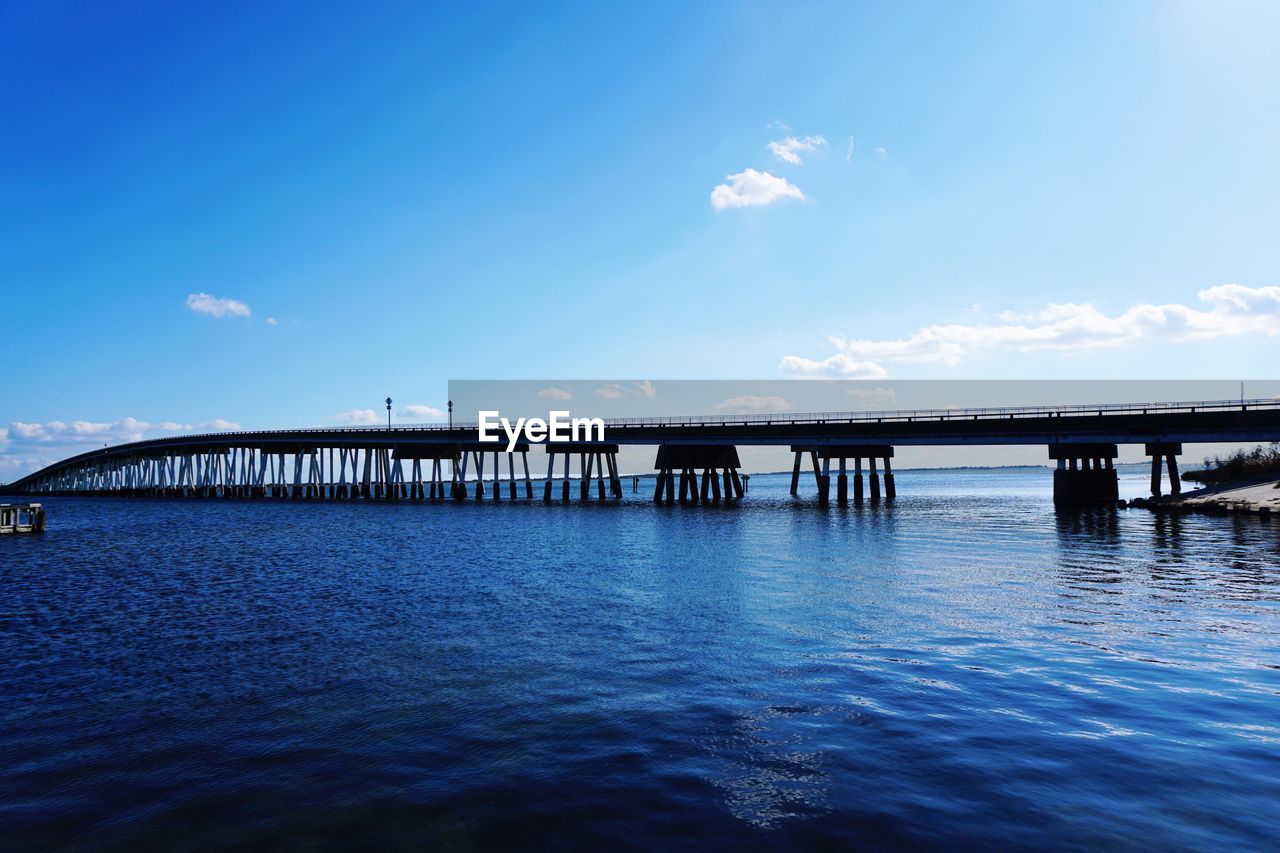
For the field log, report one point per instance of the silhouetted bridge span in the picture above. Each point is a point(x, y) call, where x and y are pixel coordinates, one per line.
point(697, 459)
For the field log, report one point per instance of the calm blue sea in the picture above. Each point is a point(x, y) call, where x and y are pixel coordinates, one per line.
point(966, 667)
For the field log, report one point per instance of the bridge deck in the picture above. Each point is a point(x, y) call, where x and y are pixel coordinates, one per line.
point(1134, 423)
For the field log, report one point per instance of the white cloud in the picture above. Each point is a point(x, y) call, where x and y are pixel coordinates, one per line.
point(272, 321)
point(123, 430)
point(878, 394)
point(750, 188)
point(218, 425)
point(838, 365)
point(615, 391)
point(880, 152)
point(848, 151)
point(788, 150)
point(214, 306)
point(26, 447)
point(555, 394)
point(752, 404)
point(1231, 310)
point(357, 416)
point(421, 413)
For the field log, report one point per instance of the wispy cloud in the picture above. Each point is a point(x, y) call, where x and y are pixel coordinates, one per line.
point(848, 151)
point(878, 395)
point(123, 430)
point(750, 188)
point(272, 321)
point(880, 152)
point(357, 416)
point(554, 393)
point(1230, 310)
point(778, 125)
point(216, 306)
point(616, 391)
point(746, 404)
point(789, 150)
point(421, 413)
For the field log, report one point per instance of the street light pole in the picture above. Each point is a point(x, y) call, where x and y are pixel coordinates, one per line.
point(450, 414)
point(388, 413)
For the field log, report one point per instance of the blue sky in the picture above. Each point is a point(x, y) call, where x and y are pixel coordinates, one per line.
point(398, 195)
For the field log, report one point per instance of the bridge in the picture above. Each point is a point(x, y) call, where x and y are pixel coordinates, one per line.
point(696, 457)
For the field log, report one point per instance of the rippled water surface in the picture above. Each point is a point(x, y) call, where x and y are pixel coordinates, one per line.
point(964, 667)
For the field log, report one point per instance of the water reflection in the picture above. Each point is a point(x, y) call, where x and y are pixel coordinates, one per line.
point(966, 663)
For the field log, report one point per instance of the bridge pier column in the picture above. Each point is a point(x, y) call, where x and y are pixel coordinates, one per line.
point(615, 482)
point(1085, 474)
point(717, 463)
point(795, 474)
point(1164, 452)
point(546, 484)
point(842, 453)
point(596, 462)
point(460, 478)
point(660, 488)
point(564, 484)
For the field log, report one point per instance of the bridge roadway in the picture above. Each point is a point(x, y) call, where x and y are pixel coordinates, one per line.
point(370, 462)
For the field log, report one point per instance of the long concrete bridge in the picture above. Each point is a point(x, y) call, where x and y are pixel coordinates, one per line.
point(696, 457)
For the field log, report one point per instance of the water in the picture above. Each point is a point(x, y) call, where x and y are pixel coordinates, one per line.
point(964, 668)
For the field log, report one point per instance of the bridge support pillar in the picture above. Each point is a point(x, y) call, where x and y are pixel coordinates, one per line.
point(595, 462)
point(419, 487)
point(718, 463)
point(842, 453)
point(1167, 452)
point(1085, 474)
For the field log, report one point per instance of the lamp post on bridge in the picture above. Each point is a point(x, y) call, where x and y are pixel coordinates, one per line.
point(450, 414)
point(388, 413)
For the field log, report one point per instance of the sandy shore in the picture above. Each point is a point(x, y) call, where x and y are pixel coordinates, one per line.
point(1258, 495)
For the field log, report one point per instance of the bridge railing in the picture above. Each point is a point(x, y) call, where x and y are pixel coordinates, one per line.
point(880, 416)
